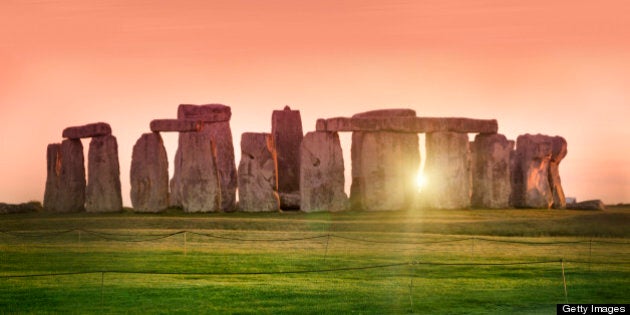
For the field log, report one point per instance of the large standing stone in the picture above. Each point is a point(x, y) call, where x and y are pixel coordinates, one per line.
point(530, 179)
point(216, 128)
point(149, 174)
point(322, 173)
point(286, 129)
point(65, 182)
point(491, 171)
point(195, 184)
point(103, 187)
point(558, 152)
point(447, 170)
point(384, 166)
point(257, 181)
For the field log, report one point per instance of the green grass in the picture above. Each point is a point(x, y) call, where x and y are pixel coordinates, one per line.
point(194, 273)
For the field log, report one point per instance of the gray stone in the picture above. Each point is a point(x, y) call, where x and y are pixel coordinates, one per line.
point(384, 166)
point(491, 185)
point(286, 129)
point(322, 173)
point(448, 171)
point(103, 188)
point(65, 182)
point(408, 124)
point(195, 185)
point(587, 205)
point(530, 174)
point(149, 174)
point(87, 131)
point(558, 152)
point(33, 206)
point(206, 113)
point(257, 181)
point(176, 125)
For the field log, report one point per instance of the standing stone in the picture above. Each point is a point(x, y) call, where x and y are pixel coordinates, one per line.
point(384, 166)
point(286, 129)
point(103, 187)
point(149, 174)
point(257, 181)
point(447, 169)
point(195, 184)
point(216, 128)
point(558, 152)
point(530, 179)
point(322, 173)
point(65, 182)
point(491, 171)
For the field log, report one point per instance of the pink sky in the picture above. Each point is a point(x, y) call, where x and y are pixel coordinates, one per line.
point(559, 68)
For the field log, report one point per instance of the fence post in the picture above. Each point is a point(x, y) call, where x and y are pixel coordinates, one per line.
point(564, 281)
point(326, 250)
point(472, 247)
point(102, 284)
point(590, 253)
point(411, 287)
point(185, 243)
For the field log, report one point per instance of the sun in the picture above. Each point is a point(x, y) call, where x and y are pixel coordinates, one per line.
point(421, 181)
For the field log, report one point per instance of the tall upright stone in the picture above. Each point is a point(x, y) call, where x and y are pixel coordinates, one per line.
point(384, 165)
point(216, 130)
point(491, 185)
point(103, 186)
point(196, 185)
point(257, 181)
point(558, 152)
point(322, 173)
point(286, 130)
point(65, 181)
point(447, 169)
point(149, 174)
point(530, 180)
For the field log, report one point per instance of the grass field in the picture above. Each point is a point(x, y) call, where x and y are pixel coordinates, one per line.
point(425, 262)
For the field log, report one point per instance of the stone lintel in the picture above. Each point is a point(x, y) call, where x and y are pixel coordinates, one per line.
point(87, 131)
point(408, 124)
point(209, 113)
point(175, 125)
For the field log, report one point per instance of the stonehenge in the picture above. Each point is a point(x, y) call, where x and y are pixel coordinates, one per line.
point(283, 169)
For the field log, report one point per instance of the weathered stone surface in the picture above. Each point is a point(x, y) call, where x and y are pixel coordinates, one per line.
point(322, 173)
point(206, 113)
point(195, 184)
point(587, 205)
point(408, 124)
point(286, 129)
point(290, 201)
point(65, 182)
point(149, 174)
point(33, 206)
point(103, 188)
point(384, 166)
point(257, 181)
point(447, 170)
point(176, 125)
point(87, 131)
point(530, 174)
point(491, 179)
point(219, 136)
point(558, 152)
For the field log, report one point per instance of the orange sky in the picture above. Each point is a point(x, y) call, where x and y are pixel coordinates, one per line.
point(559, 68)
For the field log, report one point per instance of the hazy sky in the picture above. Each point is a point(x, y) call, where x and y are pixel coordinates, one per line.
point(538, 66)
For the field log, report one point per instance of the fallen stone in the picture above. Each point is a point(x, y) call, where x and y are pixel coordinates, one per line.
point(290, 201)
point(530, 174)
point(491, 173)
point(384, 166)
point(322, 173)
point(65, 181)
point(103, 188)
point(28, 207)
point(206, 113)
point(257, 181)
point(408, 124)
point(195, 185)
point(87, 131)
point(176, 125)
point(447, 169)
point(558, 152)
point(587, 205)
point(149, 174)
point(286, 129)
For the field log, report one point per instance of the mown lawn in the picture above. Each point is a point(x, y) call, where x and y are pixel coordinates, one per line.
point(425, 262)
